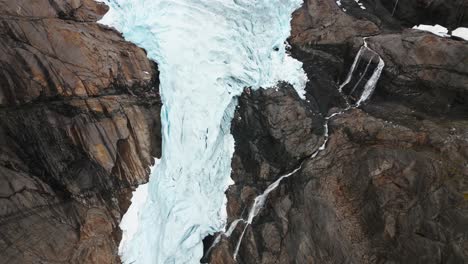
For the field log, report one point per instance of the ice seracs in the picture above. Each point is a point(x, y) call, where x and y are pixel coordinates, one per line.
point(207, 52)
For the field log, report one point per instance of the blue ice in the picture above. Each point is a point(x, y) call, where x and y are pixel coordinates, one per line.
point(207, 51)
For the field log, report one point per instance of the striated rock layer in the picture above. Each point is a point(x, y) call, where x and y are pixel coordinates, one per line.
point(79, 125)
point(389, 185)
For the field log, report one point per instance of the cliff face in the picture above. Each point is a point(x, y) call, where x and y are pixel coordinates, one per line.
point(79, 127)
point(388, 187)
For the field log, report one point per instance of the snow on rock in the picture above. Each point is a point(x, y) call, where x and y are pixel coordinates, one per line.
point(461, 32)
point(207, 52)
point(441, 31)
point(339, 4)
point(437, 29)
point(360, 4)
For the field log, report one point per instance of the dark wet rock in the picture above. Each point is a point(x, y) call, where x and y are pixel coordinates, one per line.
point(79, 127)
point(274, 127)
point(324, 22)
point(380, 193)
point(424, 70)
point(274, 131)
point(451, 14)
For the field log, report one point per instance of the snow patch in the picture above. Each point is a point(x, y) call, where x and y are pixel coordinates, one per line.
point(441, 31)
point(461, 32)
point(436, 30)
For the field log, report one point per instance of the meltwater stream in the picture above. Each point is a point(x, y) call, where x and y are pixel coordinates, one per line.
point(207, 52)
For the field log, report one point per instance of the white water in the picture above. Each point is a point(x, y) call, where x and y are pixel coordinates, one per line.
point(371, 83)
point(207, 52)
point(258, 204)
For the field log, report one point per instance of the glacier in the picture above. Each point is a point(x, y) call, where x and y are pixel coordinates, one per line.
point(208, 52)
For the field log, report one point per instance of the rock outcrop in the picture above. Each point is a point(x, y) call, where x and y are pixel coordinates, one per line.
point(389, 185)
point(79, 127)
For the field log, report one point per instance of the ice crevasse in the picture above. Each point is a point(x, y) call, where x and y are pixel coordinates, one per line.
point(207, 51)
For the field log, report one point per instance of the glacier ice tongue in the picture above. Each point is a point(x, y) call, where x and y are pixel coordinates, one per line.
point(207, 52)
point(129, 223)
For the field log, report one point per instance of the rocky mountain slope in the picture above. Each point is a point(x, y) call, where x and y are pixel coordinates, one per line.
point(388, 187)
point(79, 125)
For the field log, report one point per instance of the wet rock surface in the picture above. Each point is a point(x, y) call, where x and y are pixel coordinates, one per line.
point(79, 127)
point(425, 72)
point(388, 187)
point(451, 14)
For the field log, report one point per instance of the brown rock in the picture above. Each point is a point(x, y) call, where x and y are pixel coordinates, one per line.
point(430, 12)
point(323, 22)
point(425, 70)
point(79, 127)
point(47, 57)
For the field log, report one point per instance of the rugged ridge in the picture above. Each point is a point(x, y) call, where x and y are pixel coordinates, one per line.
point(79, 127)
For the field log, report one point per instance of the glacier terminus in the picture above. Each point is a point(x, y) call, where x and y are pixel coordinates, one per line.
point(207, 52)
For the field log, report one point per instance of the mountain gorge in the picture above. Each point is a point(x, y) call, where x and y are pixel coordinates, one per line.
point(375, 181)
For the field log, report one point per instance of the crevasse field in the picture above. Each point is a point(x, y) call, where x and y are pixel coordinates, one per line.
point(207, 51)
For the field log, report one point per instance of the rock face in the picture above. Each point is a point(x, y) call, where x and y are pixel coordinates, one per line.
point(79, 127)
point(451, 14)
point(425, 71)
point(389, 185)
